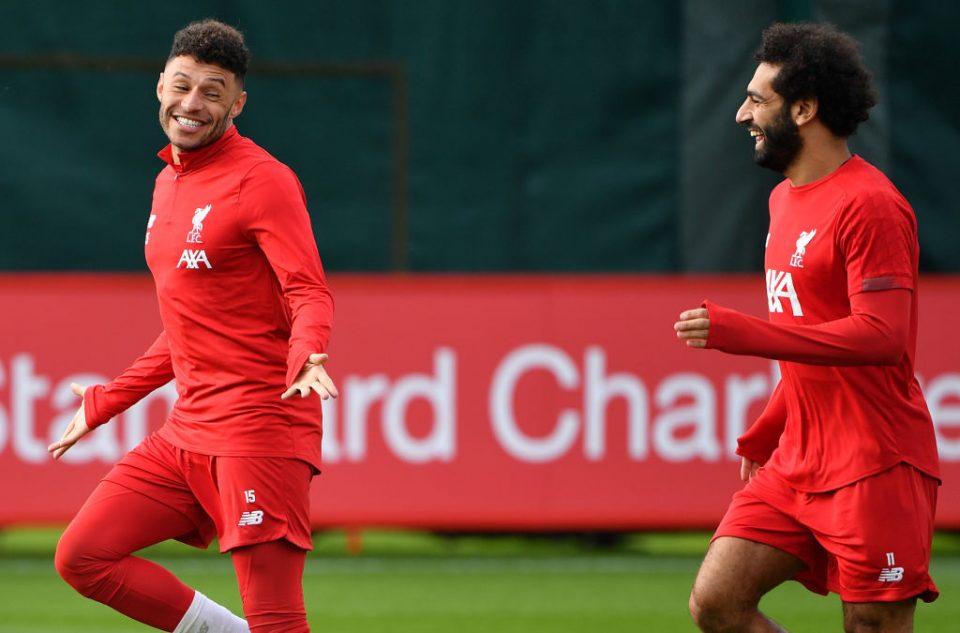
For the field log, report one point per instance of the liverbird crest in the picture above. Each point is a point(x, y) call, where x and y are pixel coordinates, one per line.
point(193, 237)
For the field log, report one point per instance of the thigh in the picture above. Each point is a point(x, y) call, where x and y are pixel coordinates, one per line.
point(116, 521)
point(878, 532)
point(263, 499)
point(739, 572)
point(760, 514)
point(155, 469)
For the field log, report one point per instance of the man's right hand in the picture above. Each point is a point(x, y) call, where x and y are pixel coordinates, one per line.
point(75, 430)
point(693, 327)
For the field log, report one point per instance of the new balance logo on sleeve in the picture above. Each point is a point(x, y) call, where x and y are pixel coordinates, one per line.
point(252, 517)
point(780, 286)
point(891, 573)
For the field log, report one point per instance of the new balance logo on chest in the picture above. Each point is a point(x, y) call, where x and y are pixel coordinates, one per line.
point(150, 223)
point(780, 286)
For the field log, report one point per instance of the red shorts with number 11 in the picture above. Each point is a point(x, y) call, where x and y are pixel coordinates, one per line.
point(868, 541)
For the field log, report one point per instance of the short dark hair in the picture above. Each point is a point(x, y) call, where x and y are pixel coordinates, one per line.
point(817, 60)
point(213, 42)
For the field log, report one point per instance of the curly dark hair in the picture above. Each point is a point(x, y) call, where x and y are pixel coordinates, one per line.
point(213, 42)
point(817, 60)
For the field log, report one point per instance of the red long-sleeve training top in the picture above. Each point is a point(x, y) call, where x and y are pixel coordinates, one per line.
point(243, 300)
point(842, 268)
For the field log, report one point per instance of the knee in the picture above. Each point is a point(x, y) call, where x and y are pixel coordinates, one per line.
point(856, 623)
point(712, 613)
point(78, 567)
point(872, 617)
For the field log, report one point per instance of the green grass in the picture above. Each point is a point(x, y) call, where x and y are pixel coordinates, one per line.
point(402, 582)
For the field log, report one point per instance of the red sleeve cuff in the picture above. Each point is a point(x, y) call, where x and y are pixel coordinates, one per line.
point(93, 410)
point(722, 325)
point(754, 450)
point(297, 359)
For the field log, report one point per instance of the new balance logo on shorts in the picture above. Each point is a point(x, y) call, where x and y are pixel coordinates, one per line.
point(253, 517)
point(891, 573)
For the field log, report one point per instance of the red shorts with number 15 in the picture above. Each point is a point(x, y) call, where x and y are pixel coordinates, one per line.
point(242, 500)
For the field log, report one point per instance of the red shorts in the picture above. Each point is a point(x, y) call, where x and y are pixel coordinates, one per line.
point(868, 541)
point(242, 500)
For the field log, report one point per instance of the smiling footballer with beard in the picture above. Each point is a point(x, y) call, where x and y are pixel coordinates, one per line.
point(841, 469)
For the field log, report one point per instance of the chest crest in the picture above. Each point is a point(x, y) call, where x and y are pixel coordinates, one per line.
point(194, 256)
point(195, 234)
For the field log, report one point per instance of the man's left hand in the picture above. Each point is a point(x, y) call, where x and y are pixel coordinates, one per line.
point(693, 327)
point(313, 376)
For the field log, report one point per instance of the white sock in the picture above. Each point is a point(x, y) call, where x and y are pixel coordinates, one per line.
point(206, 616)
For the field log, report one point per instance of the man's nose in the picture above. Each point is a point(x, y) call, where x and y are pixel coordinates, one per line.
point(745, 112)
point(190, 101)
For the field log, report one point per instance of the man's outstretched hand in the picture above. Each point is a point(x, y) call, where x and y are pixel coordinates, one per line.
point(313, 376)
point(75, 430)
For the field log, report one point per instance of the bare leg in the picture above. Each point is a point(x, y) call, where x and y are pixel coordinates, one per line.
point(879, 617)
point(734, 575)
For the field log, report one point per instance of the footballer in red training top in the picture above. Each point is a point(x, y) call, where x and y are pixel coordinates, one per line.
point(246, 316)
point(842, 465)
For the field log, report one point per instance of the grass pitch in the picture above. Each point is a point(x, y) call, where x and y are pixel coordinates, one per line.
point(422, 583)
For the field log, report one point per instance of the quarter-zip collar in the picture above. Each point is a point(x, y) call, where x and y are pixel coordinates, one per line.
point(190, 161)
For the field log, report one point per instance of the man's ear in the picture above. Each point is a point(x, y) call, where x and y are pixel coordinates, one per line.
point(804, 110)
point(237, 106)
point(160, 88)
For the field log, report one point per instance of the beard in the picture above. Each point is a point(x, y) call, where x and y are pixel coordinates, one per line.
point(781, 143)
point(214, 133)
